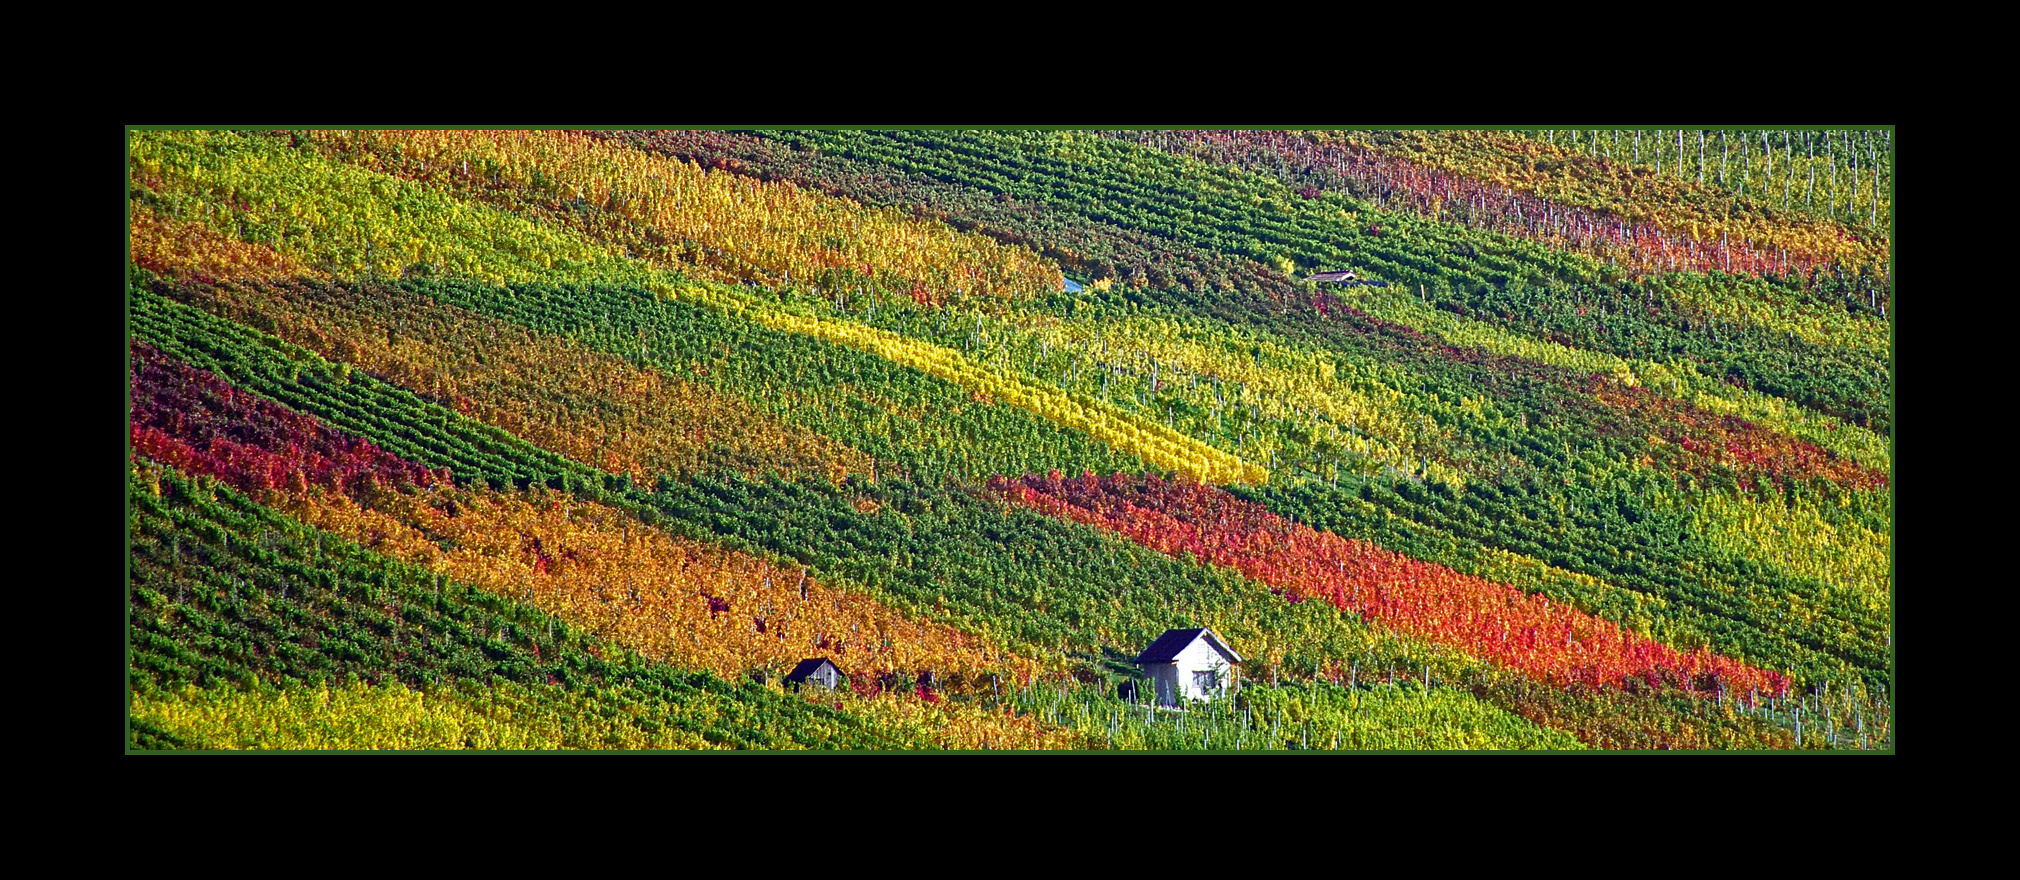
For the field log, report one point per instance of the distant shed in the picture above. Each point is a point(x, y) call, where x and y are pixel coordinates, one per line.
point(1345, 278)
point(818, 670)
point(1192, 664)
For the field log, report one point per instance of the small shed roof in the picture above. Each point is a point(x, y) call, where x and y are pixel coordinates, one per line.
point(1173, 641)
point(1342, 275)
point(809, 667)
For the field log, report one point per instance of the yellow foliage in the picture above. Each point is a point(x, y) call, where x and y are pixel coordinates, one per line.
point(745, 228)
point(1154, 443)
point(963, 726)
point(504, 717)
point(1799, 540)
point(1677, 379)
point(1284, 384)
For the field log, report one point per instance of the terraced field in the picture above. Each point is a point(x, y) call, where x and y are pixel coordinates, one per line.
point(515, 440)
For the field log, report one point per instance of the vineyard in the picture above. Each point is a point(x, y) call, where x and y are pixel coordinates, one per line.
point(525, 440)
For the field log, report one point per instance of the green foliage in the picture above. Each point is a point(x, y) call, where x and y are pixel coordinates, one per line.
point(1477, 453)
point(1318, 716)
point(228, 594)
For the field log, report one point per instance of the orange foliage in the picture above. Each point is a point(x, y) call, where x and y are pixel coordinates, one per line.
point(553, 392)
point(191, 249)
point(594, 566)
point(600, 570)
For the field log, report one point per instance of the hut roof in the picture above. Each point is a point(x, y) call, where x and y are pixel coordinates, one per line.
point(809, 667)
point(1173, 641)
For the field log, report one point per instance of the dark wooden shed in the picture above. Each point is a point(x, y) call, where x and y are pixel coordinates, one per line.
point(818, 670)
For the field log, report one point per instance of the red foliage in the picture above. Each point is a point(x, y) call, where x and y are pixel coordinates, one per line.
point(1399, 183)
point(1553, 642)
point(1752, 452)
point(198, 423)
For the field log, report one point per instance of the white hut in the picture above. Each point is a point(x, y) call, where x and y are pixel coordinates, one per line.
point(1190, 663)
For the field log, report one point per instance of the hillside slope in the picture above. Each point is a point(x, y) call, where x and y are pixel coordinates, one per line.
point(522, 440)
